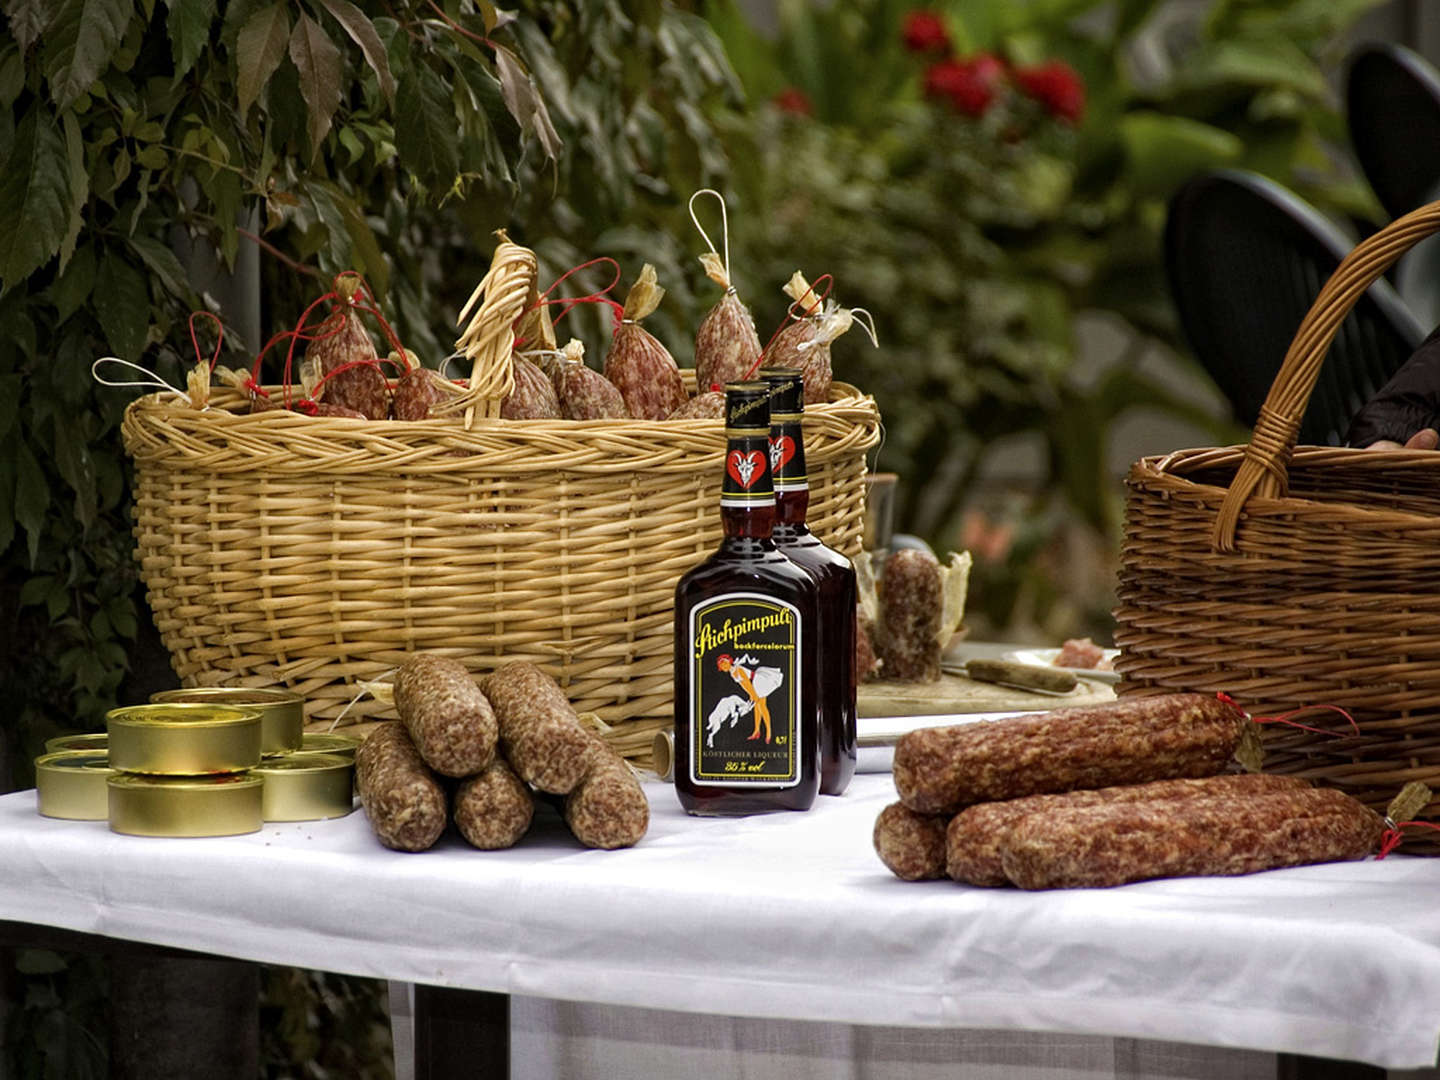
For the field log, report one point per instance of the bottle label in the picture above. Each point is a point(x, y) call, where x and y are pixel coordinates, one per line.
point(745, 691)
point(787, 454)
point(747, 471)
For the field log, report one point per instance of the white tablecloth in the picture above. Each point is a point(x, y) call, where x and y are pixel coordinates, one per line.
point(776, 916)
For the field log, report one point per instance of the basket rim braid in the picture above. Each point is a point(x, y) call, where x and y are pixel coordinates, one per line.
point(318, 552)
point(1290, 576)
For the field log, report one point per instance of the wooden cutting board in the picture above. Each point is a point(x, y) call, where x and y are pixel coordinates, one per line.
point(957, 694)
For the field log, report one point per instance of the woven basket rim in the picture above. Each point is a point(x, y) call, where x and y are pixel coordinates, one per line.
point(162, 431)
point(1169, 470)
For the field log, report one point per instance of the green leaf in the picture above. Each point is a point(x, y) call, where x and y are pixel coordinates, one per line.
point(318, 61)
point(35, 590)
point(80, 42)
point(12, 76)
point(122, 306)
point(77, 468)
point(365, 249)
point(189, 28)
point(524, 101)
point(7, 501)
point(362, 32)
point(79, 186)
point(1164, 150)
point(427, 141)
point(39, 962)
point(28, 19)
point(32, 497)
point(9, 403)
point(161, 261)
point(72, 288)
point(35, 197)
point(259, 49)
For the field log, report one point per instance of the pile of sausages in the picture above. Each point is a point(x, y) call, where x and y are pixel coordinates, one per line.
point(1103, 795)
point(498, 743)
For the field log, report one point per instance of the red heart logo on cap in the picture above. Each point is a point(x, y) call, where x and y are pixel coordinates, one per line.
point(781, 451)
point(745, 468)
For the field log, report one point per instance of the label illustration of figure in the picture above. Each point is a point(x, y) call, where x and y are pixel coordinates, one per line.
point(727, 710)
point(757, 682)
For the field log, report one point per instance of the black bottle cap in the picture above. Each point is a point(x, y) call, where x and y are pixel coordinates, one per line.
point(787, 391)
point(747, 407)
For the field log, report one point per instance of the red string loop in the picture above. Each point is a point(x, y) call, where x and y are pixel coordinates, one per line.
point(568, 304)
point(1284, 718)
point(1393, 837)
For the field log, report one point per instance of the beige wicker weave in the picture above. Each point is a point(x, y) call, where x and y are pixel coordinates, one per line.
point(1290, 576)
point(313, 552)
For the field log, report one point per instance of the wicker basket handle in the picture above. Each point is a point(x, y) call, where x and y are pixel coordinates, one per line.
point(1263, 472)
point(489, 339)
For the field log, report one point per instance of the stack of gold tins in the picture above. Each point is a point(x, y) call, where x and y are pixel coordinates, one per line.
point(209, 761)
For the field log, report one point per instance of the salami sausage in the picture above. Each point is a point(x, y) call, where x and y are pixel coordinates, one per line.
point(540, 734)
point(607, 808)
point(445, 714)
point(912, 606)
point(974, 837)
point(942, 770)
point(401, 797)
point(1111, 844)
point(494, 808)
point(911, 845)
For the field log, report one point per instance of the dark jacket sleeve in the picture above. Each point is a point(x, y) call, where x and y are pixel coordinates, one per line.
point(1409, 402)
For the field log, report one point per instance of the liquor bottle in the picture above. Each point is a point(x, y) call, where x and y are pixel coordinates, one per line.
point(746, 675)
point(833, 573)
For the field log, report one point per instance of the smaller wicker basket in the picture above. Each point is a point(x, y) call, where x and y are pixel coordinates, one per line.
point(316, 553)
point(1290, 576)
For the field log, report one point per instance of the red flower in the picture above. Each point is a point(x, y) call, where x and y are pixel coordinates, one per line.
point(924, 32)
point(794, 100)
point(1055, 85)
point(969, 86)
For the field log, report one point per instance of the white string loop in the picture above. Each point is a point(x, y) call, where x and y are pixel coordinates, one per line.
point(152, 380)
point(724, 225)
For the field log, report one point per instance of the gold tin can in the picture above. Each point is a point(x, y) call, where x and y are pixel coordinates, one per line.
point(176, 738)
point(282, 712)
point(185, 805)
point(306, 787)
point(328, 742)
point(96, 742)
point(71, 784)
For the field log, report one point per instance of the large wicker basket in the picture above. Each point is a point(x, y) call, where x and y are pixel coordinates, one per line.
point(313, 552)
point(1290, 576)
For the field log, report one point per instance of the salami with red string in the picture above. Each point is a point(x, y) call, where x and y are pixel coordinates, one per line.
point(1108, 844)
point(942, 770)
point(345, 358)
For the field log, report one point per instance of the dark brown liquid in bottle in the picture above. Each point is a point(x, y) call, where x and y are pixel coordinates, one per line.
point(835, 578)
point(768, 665)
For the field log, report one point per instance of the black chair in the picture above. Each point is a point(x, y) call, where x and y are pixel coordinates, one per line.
point(1392, 109)
point(1245, 259)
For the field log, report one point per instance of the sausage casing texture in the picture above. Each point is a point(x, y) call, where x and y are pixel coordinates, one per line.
point(446, 715)
point(493, 808)
point(943, 770)
point(911, 845)
point(912, 607)
point(540, 734)
point(607, 808)
point(401, 797)
point(975, 836)
point(1112, 844)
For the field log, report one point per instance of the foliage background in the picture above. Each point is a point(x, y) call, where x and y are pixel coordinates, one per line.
point(133, 129)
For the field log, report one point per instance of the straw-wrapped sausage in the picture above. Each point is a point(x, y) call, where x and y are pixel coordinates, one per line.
point(445, 713)
point(911, 845)
point(494, 808)
point(401, 797)
point(539, 732)
point(1113, 843)
point(975, 836)
point(608, 807)
point(942, 770)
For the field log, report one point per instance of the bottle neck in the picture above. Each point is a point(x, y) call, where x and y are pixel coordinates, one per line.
point(747, 498)
point(791, 507)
